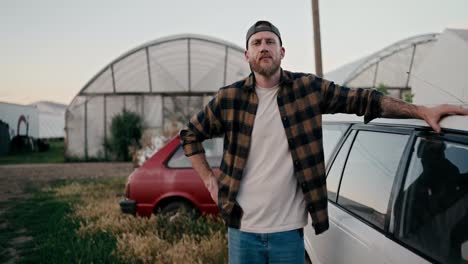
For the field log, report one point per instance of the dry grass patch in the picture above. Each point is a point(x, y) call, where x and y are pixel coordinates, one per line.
point(143, 240)
point(149, 248)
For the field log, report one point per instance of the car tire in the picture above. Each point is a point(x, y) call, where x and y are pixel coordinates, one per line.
point(174, 208)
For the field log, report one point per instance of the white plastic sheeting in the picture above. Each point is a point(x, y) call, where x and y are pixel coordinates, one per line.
point(433, 67)
point(75, 128)
point(442, 77)
point(51, 119)
point(165, 81)
point(94, 126)
point(391, 66)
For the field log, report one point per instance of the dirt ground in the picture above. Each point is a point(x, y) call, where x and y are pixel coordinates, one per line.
point(16, 179)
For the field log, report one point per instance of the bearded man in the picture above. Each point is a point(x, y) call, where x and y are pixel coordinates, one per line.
point(272, 172)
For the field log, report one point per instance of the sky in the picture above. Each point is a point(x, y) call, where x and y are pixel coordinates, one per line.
point(49, 49)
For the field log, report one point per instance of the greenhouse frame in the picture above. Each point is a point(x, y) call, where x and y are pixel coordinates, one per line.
point(391, 67)
point(165, 81)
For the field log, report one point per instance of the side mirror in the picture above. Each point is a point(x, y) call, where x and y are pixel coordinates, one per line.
point(464, 250)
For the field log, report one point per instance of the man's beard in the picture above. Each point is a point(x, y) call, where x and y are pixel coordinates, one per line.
point(266, 71)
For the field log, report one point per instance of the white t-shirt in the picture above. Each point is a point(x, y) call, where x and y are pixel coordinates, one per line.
point(269, 194)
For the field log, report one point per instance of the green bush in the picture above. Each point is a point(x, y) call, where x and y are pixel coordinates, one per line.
point(383, 89)
point(126, 130)
point(408, 97)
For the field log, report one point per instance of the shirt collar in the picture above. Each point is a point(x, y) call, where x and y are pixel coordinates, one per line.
point(285, 79)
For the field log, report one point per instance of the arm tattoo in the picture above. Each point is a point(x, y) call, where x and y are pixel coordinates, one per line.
point(395, 108)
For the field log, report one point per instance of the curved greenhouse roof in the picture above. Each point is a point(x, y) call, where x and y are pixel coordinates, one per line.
point(391, 66)
point(176, 64)
point(165, 81)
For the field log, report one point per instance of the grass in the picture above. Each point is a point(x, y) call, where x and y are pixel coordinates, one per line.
point(45, 219)
point(54, 155)
point(80, 222)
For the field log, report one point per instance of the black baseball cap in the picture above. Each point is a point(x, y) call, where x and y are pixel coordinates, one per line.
point(259, 26)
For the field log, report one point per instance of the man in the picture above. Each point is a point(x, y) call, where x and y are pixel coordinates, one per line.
point(272, 172)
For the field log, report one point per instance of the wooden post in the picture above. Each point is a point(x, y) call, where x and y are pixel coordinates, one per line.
point(317, 45)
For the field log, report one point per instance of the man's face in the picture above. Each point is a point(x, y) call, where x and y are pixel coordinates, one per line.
point(264, 53)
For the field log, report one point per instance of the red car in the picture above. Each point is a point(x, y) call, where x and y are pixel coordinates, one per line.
point(167, 182)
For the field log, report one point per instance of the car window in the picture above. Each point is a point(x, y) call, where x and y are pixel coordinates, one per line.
point(432, 209)
point(332, 133)
point(213, 153)
point(334, 174)
point(369, 174)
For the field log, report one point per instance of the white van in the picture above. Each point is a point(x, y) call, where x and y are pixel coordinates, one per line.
point(397, 192)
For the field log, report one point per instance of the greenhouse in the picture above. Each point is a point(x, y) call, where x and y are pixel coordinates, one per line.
point(430, 68)
point(391, 67)
point(165, 81)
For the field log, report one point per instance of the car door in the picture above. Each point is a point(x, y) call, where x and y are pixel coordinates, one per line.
point(360, 183)
point(431, 209)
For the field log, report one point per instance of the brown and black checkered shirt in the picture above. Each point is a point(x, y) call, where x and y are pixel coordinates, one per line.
point(302, 99)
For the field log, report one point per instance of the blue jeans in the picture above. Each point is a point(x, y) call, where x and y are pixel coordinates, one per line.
point(280, 247)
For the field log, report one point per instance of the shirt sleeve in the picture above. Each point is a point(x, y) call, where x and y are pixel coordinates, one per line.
point(341, 99)
point(204, 125)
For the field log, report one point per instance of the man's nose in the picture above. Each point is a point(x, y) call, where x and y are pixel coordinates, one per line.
point(264, 50)
point(263, 46)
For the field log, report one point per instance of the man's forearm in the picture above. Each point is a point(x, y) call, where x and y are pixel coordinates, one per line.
point(395, 108)
point(201, 166)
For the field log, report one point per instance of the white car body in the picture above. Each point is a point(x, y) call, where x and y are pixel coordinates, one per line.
point(351, 239)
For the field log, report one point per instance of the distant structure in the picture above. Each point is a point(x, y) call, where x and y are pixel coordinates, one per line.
point(430, 67)
point(442, 77)
point(21, 119)
point(51, 119)
point(165, 81)
point(391, 67)
point(40, 120)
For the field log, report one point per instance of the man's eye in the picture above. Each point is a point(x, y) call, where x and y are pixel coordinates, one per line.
point(270, 41)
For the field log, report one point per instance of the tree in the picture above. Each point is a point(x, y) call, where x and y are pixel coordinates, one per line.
point(126, 131)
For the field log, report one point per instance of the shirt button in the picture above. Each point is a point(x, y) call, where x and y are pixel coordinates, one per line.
point(285, 118)
point(296, 162)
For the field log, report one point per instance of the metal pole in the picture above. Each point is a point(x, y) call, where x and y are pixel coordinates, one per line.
point(189, 66)
point(411, 66)
point(86, 127)
point(113, 78)
point(106, 155)
point(225, 64)
point(374, 83)
point(149, 69)
point(317, 44)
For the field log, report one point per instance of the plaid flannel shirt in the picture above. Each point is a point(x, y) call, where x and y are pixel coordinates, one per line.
point(302, 99)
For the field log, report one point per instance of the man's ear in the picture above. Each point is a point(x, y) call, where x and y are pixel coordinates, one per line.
point(282, 52)
point(246, 54)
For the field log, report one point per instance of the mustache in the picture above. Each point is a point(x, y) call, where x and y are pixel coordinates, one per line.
point(264, 55)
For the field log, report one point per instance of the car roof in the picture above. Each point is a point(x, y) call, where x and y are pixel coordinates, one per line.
point(454, 122)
